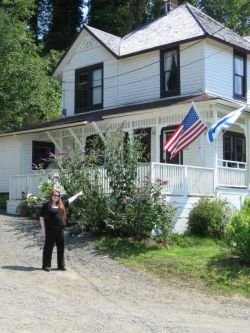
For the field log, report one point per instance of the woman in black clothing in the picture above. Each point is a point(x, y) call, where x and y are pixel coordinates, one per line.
point(53, 219)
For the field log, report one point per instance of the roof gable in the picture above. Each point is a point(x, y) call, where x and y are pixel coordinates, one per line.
point(175, 27)
point(87, 40)
point(217, 30)
point(182, 24)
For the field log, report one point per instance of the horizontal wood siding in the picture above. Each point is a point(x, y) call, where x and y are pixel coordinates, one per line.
point(86, 53)
point(9, 161)
point(142, 81)
point(192, 67)
point(219, 69)
point(134, 79)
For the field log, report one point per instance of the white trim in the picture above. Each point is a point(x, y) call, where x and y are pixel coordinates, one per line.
point(45, 129)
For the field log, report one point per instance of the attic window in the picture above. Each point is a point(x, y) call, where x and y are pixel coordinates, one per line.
point(89, 88)
point(170, 73)
point(240, 78)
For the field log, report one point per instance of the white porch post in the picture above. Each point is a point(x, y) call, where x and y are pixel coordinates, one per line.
point(247, 133)
point(131, 134)
point(157, 144)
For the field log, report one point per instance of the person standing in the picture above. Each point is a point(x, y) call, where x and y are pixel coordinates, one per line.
point(53, 219)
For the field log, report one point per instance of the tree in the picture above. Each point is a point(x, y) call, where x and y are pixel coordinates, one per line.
point(233, 13)
point(28, 94)
point(66, 20)
point(122, 16)
point(118, 16)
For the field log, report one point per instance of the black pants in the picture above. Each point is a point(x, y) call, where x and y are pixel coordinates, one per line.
point(52, 237)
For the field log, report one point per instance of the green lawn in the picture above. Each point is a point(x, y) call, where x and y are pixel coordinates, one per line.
point(198, 262)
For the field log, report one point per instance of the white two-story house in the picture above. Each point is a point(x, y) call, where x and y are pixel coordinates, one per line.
point(145, 83)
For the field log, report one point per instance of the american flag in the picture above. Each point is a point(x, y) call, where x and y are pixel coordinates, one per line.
point(188, 131)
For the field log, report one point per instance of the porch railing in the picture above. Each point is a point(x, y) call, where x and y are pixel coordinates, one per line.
point(21, 185)
point(232, 177)
point(175, 179)
point(183, 179)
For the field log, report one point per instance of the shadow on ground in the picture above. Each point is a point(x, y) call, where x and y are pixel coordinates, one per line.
point(230, 266)
point(30, 229)
point(21, 268)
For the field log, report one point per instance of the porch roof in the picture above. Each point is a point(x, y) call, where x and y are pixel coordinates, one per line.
point(98, 115)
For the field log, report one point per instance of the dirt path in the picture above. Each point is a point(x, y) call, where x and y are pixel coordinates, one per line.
point(97, 294)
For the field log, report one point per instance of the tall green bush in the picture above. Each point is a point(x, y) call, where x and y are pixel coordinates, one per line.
point(238, 232)
point(126, 210)
point(209, 218)
point(78, 172)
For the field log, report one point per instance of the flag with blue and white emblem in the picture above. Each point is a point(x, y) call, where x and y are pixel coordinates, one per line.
point(223, 123)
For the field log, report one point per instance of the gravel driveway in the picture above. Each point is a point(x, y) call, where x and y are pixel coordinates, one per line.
point(97, 294)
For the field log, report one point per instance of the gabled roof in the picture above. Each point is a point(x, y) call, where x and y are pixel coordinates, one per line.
point(217, 30)
point(185, 23)
point(112, 42)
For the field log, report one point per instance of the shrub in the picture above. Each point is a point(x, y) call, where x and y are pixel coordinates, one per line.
point(45, 189)
point(238, 232)
point(82, 173)
point(125, 210)
point(143, 215)
point(133, 211)
point(209, 218)
point(30, 207)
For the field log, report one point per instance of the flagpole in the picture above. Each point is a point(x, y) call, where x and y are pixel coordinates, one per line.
point(199, 142)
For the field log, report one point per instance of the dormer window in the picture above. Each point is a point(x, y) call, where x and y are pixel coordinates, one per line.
point(240, 78)
point(170, 73)
point(89, 88)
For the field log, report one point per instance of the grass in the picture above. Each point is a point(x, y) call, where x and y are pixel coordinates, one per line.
point(198, 262)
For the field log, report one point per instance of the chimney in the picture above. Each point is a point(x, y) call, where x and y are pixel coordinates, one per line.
point(170, 5)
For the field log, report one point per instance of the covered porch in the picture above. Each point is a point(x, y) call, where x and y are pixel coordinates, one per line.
point(200, 170)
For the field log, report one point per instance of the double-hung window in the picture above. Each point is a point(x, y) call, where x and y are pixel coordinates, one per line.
point(170, 73)
point(240, 78)
point(234, 149)
point(89, 88)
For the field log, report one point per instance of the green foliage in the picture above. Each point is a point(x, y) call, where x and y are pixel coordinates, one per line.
point(45, 190)
point(238, 232)
point(22, 10)
point(124, 209)
point(28, 94)
point(133, 211)
point(142, 215)
point(209, 218)
point(66, 20)
point(119, 17)
point(81, 173)
point(187, 261)
point(233, 13)
point(121, 159)
point(30, 207)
